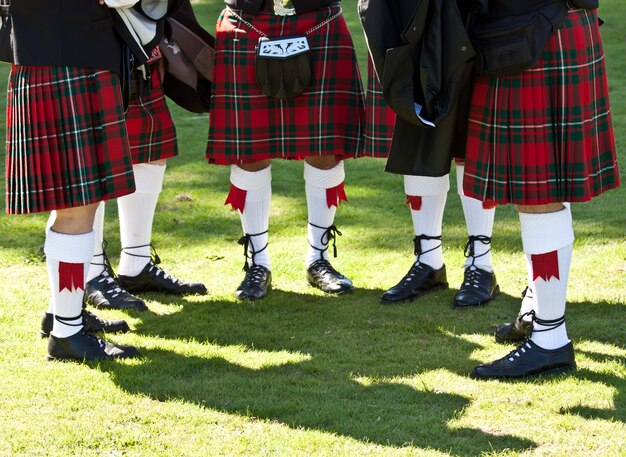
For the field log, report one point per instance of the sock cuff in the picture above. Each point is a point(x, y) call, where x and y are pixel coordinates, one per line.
point(325, 179)
point(69, 248)
point(426, 185)
point(250, 180)
point(546, 232)
point(148, 177)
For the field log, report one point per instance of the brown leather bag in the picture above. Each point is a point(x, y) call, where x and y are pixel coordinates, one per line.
point(189, 54)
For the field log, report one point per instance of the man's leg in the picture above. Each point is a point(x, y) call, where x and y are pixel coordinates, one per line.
point(426, 197)
point(519, 330)
point(547, 236)
point(138, 270)
point(92, 323)
point(69, 250)
point(324, 188)
point(479, 285)
point(102, 289)
point(251, 194)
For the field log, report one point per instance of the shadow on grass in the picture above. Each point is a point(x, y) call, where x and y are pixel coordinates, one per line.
point(618, 411)
point(350, 354)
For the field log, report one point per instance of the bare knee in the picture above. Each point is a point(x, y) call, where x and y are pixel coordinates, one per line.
point(254, 166)
point(538, 209)
point(74, 221)
point(322, 162)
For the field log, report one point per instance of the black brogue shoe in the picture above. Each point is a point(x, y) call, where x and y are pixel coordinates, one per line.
point(105, 292)
point(322, 275)
point(421, 278)
point(85, 346)
point(479, 288)
point(528, 360)
point(154, 279)
point(255, 284)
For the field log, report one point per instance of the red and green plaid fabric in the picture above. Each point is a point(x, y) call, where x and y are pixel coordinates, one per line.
point(545, 135)
point(379, 118)
point(66, 139)
point(247, 126)
point(151, 132)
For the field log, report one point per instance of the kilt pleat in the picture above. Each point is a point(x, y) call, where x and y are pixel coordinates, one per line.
point(327, 119)
point(545, 135)
point(379, 118)
point(151, 131)
point(66, 139)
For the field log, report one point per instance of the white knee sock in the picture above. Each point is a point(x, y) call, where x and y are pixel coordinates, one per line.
point(528, 301)
point(427, 198)
point(96, 267)
point(255, 217)
point(548, 240)
point(67, 259)
point(321, 207)
point(136, 212)
point(479, 220)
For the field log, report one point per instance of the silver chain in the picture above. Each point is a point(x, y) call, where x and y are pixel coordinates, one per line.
point(311, 30)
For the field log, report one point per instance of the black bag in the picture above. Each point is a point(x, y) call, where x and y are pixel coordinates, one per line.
point(509, 44)
point(189, 53)
point(282, 66)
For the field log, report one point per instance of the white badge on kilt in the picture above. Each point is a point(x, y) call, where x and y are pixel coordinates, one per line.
point(283, 48)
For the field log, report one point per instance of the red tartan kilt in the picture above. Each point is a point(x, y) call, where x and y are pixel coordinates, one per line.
point(379, 118)
point(66, 139)
point(545, 135)
point(247, 126)
point(151, 132)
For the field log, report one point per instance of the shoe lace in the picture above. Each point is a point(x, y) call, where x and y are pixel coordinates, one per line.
point(254, 275)
point(246, 242)
point(153, 262)
point(72, 321)
point(548, 324)
point(472, 276)
point(470, 250)
point(329, 235)
point(518, 351)
point(417, 245)
point(108, 275)
point(416, 268)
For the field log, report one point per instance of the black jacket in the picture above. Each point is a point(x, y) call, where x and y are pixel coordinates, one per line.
point(423, 55)
point(76, 33)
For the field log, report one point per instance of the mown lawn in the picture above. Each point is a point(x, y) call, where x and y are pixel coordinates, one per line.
point(301, 373)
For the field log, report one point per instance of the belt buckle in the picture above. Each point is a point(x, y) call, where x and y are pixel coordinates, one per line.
point(280, 10)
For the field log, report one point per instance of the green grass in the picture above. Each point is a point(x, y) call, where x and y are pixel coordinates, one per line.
point(301, 373)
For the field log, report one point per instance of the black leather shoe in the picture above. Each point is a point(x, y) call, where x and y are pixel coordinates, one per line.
point(420, 278)
point(528, 360)
point(85, 346)
point(91, 324)
point(255, 284)
point(479, 288)
point(154, 279)
point(322, 275)
point(515, 332)
point(104, 292)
